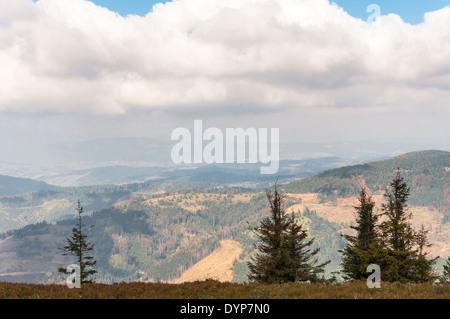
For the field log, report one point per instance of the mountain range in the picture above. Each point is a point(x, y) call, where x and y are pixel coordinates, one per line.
point(183, 230)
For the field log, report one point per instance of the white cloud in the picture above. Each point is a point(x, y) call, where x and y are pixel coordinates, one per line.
point(59, 56)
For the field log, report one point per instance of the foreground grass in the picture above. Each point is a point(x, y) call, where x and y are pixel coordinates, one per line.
point(217, 290)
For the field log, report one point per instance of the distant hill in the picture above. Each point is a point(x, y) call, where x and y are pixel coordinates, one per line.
point(426, 172)
point(58, 203)
point(15, 185)
point(211, 173)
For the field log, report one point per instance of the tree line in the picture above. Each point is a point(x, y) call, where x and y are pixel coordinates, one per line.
point(285, 253)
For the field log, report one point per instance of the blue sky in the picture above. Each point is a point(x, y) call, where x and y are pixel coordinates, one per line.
point(411, 11)
point(125, 7)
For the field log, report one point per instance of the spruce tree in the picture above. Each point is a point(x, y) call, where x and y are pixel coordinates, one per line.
point(270, 264)
point(78, 247)
point(282, 255)
point(303, 257)
point(364, 248)
point(406, 260)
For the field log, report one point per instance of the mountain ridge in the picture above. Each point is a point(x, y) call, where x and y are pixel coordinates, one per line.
point(10, 185)
point(425, 171)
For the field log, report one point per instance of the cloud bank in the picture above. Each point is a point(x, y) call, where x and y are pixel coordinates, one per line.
point(71, 56)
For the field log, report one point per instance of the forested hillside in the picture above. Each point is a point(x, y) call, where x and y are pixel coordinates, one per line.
point(427, 173)
point(16, 185)
point(59, 203)
point(155, 237)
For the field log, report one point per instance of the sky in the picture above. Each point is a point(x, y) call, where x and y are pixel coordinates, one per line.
point(126, 7)
point(411, 11)
point(74, 70)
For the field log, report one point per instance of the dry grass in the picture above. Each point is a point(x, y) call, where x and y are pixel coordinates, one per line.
point(217, 290)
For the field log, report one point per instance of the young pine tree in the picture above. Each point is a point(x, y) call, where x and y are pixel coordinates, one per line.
point(364, 248)
point(78, 247)
point(282, 255)
point(423, 270)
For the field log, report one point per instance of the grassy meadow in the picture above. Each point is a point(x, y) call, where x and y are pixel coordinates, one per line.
point(216, 290)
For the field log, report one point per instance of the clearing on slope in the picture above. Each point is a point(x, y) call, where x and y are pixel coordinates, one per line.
point(217, 266)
